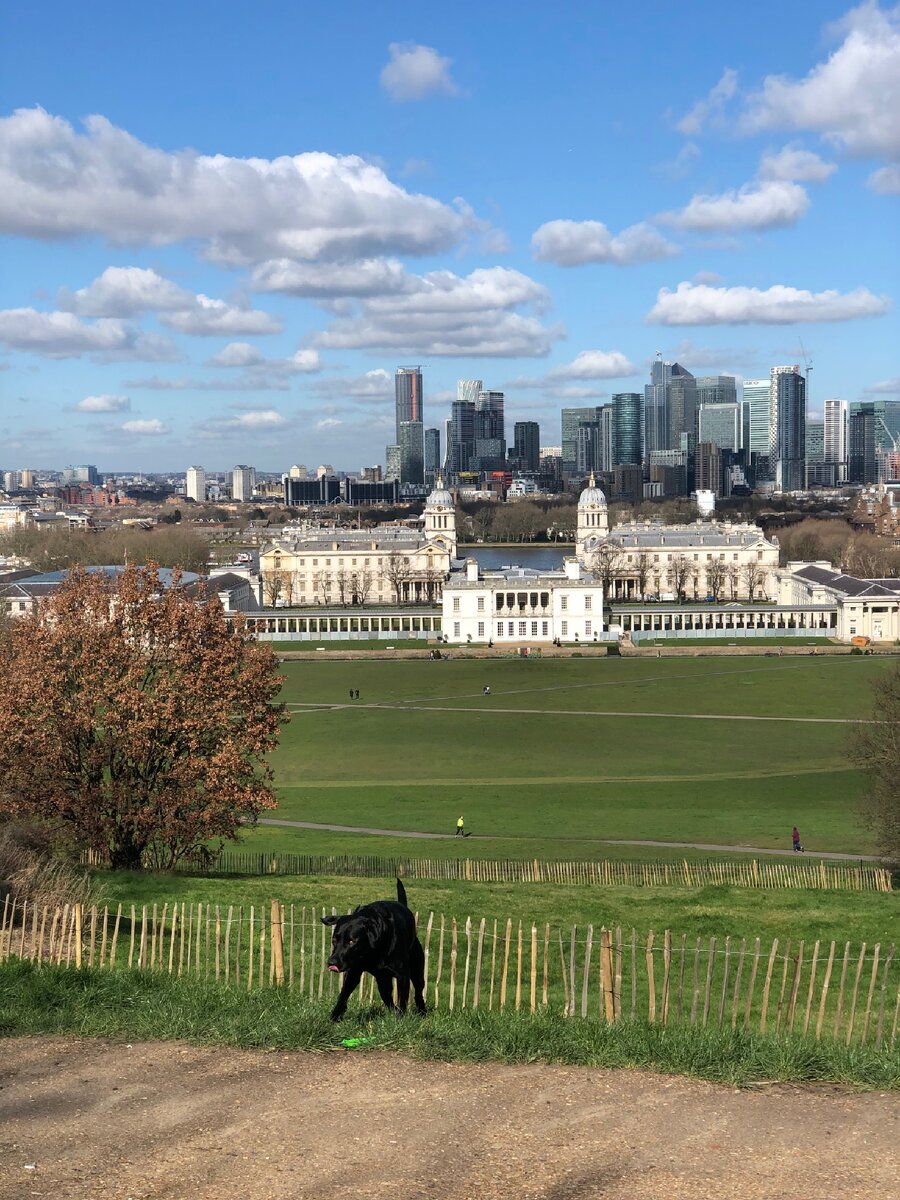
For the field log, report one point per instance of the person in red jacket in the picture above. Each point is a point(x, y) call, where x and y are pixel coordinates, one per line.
point(795, 838)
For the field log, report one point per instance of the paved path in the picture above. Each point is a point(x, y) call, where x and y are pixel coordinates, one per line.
point(407, 833)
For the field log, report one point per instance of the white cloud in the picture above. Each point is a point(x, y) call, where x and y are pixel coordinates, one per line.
point(125, 292)
point(852, 100)
point(152, 428)
point(887, 387)
point(885, 180)
point(367, 277)
point(326, 424)
point(63, 335)
point(444, 314)
point(104, 403)
point(266, 418)
point(415, 72)
point(681, 164)
point(768, 205)
point(56, 183)
point(594, 364)
point(711, 106)
point(574, 243)
point(210, 318)
point(698, 304)
point(374, 386)
point(261, 373)
point(795, 165)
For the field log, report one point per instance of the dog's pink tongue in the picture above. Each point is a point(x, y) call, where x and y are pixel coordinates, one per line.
point(332, 968)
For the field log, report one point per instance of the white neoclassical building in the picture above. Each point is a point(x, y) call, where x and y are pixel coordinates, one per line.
point(865, 607)
point(386, 565)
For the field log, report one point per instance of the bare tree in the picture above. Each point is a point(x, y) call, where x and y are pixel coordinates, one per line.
point(716, 577)
point(361, 584)
point(434, 583)
point(643, 564)
point(276, 586)
point(322, 586)
point(397, 573)
point(606, 563)
point(344, 584)
point(679, 573)
point(754, 576)
point(733, 575)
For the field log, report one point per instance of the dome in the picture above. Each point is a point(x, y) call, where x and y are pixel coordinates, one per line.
point(440, 496)
point(592, 496)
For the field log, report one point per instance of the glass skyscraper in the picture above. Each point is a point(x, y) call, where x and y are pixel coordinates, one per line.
point(628, 418)
point(407, 396)
point(757, 403)
point(490, 432)
point(721, 423)
point(835, 437)
point(527, 445)
point(787, 428)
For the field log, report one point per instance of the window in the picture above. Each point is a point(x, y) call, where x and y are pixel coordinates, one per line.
point(587, 629)
point(534, 632)
point(545, 629)
point(563, 603)
point(481, 629)
point(499, 629)
point(511, 628)
point(522, 628)
point(456, 629)
point(456, 604)
point(481, 603)
point(564, 628)
point(587, 603)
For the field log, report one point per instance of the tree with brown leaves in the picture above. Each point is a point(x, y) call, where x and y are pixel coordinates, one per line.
point(875, 746)
point(137, 719)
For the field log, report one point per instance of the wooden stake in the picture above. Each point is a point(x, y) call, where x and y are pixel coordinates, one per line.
point(93, 934)
point(824, 996)
point(453, 957)
point(519, 968)
point(651, 986)
point(493, 964)
point(709, 977)
point(840, 1002)
point(544, 1000)
point(784, 972)
point(767, 985)
point(250, 955)
point(737, 983)
point(812, 985)
point(465, 994)
point(277, 943)
point(78, 921)
point(667, 971)
point(506, 949)
point(884, 978)
point(440, 966)
point(875, 956)
point(532, 992)
point(586, 973)
point(795, 987)
point(572, 975)
point(565, 982)
point(859, 967)
point(476, 988)
point(115, 936)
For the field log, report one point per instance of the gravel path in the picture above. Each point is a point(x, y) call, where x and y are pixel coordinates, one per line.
point(166, 1121)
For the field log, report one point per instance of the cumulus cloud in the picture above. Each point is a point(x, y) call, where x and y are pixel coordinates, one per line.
point(886, 180)
point(125, 292)
point(415, 72)
point(594, 364)
point(574, 243)
point(698, 304)
point(711, 106)
point(852, 99)
point(325, 281)
point(266, 418)
point(261, 373)
point(768, 205)
point(887, 387)
point(796, 166)
point(209, 318)
point(57, 183)
point(105, 403)
point(374, 386)
point(444, 314)
point(63, 335)
point(149, 428)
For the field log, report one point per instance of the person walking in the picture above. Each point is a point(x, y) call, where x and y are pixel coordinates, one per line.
point(357, 693)
point(351, 693)
point(486, 690)
point(460, 827)
point(795, 838)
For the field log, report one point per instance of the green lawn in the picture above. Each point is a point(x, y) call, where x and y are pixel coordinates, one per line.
point(543, 766)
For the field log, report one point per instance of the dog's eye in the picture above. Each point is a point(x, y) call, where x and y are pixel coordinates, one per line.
point(352, 941)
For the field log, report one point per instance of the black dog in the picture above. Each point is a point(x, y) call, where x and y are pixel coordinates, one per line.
point(379, 938)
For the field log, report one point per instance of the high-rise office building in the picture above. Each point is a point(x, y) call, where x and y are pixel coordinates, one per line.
point(607, 423)
point(721, 423)
point(527, 445)
point(681, 402)
point(298, 471)
point(408, 404)
point(195, 484)
point(656, 413)
point(391, 462)
point(757, 404)
point(708, 468)
point(242, 483)
point(835, 437)
point(460, 449)
point(10, 481)
point(411, 441)
point(862, 443)
point(432, 453)
point(587, 447)
point(815, 441)
point(628, 417)
point(570, 419)
point(467, 390)
point(26, 478)
point(787, 428)
point(716, 389)
point(490, 432)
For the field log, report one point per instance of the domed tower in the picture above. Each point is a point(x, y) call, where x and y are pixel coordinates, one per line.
point(593, 520)
point(440, 517)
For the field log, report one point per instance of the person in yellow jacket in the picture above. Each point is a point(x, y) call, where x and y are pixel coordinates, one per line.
point(460, 827)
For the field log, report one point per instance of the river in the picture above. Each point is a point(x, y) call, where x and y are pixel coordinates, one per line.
point(539, 557)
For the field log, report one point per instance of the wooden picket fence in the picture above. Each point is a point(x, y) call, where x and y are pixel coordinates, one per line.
point(830, 989)
point(807, 875)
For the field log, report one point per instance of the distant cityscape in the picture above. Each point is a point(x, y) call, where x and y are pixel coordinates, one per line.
point(684, 433)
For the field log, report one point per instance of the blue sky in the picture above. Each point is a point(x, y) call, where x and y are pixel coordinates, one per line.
point(223, 227)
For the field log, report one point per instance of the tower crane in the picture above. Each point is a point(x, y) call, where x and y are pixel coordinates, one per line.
point(807, 362)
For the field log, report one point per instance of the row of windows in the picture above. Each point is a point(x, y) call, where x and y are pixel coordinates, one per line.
point(302, 562)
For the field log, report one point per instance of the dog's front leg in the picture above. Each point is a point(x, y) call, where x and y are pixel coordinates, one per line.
point(351, 983)
point(385, 981)
point(402, 992)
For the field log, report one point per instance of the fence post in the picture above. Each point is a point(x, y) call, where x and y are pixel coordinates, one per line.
point(585, 977)
point(884, 979)
point(651, 985)
point(533, 989)
point(78, 920)
point(277, 942)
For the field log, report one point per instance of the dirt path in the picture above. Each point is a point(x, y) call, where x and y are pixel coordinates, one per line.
point(405, 833)
point(98, 1121)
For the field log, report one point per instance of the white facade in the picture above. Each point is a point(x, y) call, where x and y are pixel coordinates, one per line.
point(517, 605)
point(836, 436)
point(195, 484)
point(242, 483)
point(866, 607)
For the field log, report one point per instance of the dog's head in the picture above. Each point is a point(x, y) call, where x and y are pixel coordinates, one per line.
point(352, 941)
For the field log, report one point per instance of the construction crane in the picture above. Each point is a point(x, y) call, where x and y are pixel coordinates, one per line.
point(807, 362)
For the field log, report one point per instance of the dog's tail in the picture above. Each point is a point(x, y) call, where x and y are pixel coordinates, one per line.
point(401, 894)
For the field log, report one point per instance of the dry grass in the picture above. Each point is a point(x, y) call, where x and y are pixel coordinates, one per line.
point(30, 868)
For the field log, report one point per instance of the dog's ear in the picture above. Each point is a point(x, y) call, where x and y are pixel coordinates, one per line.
point(332, 920)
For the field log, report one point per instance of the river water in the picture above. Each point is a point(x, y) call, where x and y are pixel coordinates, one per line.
point(538, 557)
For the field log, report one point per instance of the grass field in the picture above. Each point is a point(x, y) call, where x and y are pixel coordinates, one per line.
point(565, 753)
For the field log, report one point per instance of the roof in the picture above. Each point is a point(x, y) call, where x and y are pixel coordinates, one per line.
point(639, 536)
point(325, 541)
point(496, 577)
point(849, 585)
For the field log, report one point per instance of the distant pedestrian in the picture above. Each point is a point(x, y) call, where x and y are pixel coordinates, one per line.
point(460, 827)
point(795, 838)
point(357, 693)
point(486, 691)
point(351, 693)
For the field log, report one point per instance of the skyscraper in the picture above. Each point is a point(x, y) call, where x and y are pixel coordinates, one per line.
point(716, 389)
point(570, 418)
point(391, 462)
point(656, 413)
point(756, 406)
point(861, 443)
point(432, 453)
point(681, 402)
point(835, 447)
point(242, 483)
point(628, 419)
point(490, 432)
point(407, 396)
point(527, 445)
point(787, 428)
point(195, 484)
point(721, 423)
point(412, 452)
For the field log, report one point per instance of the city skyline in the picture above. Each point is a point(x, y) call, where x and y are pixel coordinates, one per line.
point(206, 274)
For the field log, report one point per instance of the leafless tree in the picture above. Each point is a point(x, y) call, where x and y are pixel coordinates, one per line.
point(643, 564)
point(322, 586)
point(606, 563)
point(434, 583)
point(716, 577)
point(343, 582)
point(276, 585)
point(361, 584)
point(679, 573)
point(734, 579)
point(397, 573)
point(754, 577)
